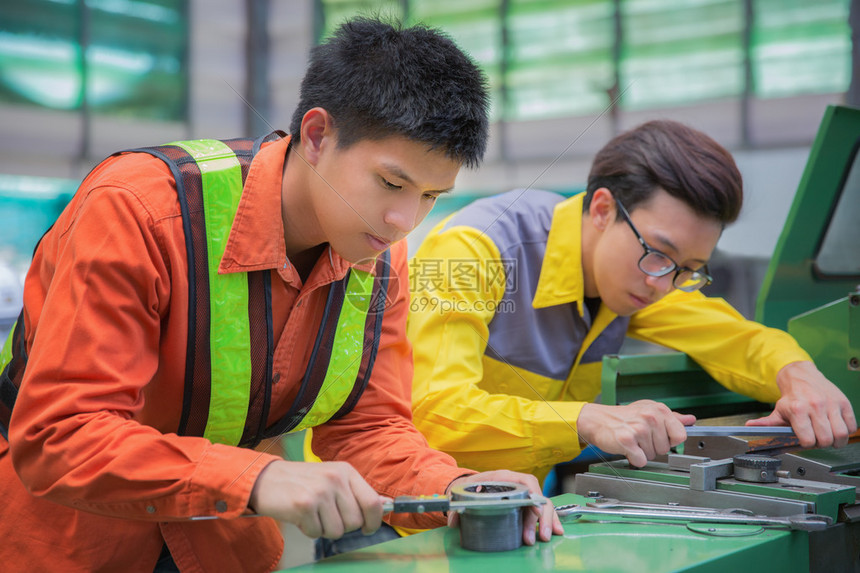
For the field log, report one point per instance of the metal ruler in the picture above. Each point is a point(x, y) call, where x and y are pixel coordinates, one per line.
point(696, 431)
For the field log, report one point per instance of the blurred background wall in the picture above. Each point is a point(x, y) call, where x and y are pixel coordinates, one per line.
point(80, 79)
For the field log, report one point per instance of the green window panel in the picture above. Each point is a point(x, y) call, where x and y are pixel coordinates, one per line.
point(39, 55)
point(476, 27)
point(133, 63)
point(474, 24)
point(560, 58)
point(29, 205)
point(680, 52)
point(552, 58)
point(559, 90)
point(136, 57)
point(839, 255)
point(335, 12)
point(800, 47)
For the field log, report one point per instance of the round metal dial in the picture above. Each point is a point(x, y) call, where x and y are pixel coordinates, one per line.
point(756, 468)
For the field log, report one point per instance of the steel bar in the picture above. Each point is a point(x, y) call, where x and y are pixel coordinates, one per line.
point(697, 431)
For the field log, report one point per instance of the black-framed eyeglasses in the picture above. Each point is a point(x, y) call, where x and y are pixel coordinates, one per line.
point(657, 264)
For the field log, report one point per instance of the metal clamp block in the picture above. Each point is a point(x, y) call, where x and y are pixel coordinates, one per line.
point(704, 476)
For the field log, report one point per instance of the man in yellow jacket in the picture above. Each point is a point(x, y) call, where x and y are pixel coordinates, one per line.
point(517, 297)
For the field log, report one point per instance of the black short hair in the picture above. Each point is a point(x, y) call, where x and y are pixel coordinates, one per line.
point(377, 79)
point(663, 154)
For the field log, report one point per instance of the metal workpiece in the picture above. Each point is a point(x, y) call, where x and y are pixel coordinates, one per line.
point(491, 527)
point(718, 442)
point(801, 522)
point(698, 431)
point(719, 447)
point(491, 513)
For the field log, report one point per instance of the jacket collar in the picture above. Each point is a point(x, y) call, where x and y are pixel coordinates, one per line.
point(561, 280)
point(256, 239)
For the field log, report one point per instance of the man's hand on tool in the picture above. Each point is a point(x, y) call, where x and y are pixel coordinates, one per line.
point(640, 430)
point(816, 409)
point(545, 514)
point(322, 499)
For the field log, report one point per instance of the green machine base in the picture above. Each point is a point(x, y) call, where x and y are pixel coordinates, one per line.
point(589, 545)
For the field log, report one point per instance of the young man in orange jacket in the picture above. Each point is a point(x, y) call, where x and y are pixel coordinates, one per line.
point(197, 298)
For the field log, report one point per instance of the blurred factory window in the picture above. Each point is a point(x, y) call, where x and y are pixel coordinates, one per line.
point(839, 255)
point(556, 58)
point(474, 24)
point(333, 12)
point(680, 52)
point(476, 27)
point(800, 47)
point(116, 57)
point(560, 58)
point(29, 206)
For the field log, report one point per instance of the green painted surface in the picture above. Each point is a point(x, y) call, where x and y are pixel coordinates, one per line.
point(831, 335)
point(588, 546)
point(839, 460)
point(29, 206)
point(654, 471)
point(792, 284)
point(672, 378)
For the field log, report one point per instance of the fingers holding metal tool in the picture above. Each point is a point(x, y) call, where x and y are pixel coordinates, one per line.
point(542, 515)
point(640, 431)
point(816, 409)
point(321, 499)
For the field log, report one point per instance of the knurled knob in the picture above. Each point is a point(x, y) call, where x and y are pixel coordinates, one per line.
point(756, 468)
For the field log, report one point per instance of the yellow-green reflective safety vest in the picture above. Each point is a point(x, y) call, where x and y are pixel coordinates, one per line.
point(230, 347)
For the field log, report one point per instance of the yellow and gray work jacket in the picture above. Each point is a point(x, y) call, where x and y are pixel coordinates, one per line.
point(507, 351)
point(230, 346)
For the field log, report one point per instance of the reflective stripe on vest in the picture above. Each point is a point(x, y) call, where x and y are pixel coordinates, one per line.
point(346, 351)
point(6, 353)
point(230, 346)
point(8, 387)
point(229, 333)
